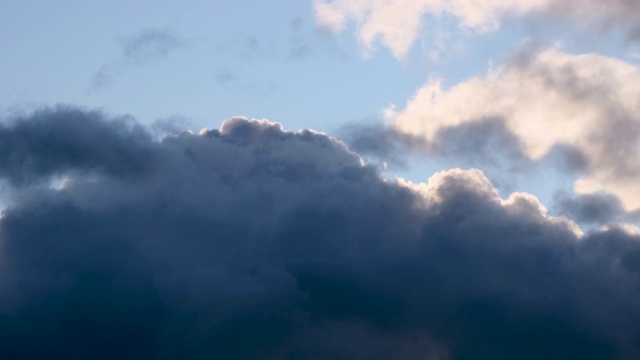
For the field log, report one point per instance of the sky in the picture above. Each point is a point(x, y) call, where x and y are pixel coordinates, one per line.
point(317, 179)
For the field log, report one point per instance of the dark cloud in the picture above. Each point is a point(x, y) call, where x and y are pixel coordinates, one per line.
point(55, 141)
point(596, 208)
point(253, 242)
point(382, 142)
point(487, 142)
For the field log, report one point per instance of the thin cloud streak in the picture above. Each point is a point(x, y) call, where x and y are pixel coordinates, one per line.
point(141, 49)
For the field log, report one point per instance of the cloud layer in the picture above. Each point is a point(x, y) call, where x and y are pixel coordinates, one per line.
point(397, 23)
point(254, 242)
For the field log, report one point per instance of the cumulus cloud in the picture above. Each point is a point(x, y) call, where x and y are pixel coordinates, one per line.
point(587, 103)
point(396, 23)
point(255, 242)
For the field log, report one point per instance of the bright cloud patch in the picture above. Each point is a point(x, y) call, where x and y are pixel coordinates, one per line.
point(588, 102)
point(396, 23)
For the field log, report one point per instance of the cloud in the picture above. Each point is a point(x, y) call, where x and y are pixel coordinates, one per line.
point(381, 142)
point(255, 242)
point(248, 47)
point(140, 49)
point(595, 208)
point(396, 24)
point(149, 45)
point(51, 141)
point(587, 103)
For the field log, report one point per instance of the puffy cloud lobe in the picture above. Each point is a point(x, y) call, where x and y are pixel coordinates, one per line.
point(53, 141)
point(547, 99)
point(255, 242)
point(396, 23)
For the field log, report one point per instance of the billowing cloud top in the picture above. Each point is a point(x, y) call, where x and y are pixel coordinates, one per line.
point(255, 242)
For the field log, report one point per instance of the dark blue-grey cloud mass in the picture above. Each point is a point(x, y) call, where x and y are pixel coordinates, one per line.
point(252, 242)
point(591, 208)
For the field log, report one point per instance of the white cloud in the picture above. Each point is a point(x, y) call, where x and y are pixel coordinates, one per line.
point(396, 23)
point(588, 102)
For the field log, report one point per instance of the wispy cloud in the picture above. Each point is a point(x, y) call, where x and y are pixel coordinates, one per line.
point(143, 48)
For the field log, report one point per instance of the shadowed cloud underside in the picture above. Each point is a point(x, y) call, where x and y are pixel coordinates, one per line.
point(255, 242)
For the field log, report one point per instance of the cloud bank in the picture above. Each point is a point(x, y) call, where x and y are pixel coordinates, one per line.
point(396, 24)
point(254, 242)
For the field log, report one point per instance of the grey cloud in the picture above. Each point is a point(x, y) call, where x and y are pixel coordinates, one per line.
point(610, 16)
point(150, 44)
point(140, 49)
point(296, 24)
point(382, 142)
point(64, 139)
point(248, 46)
point(299, 48)
point(298, 45)
point(226, 77)
point(481, 142)
point(486, 144)
point(253, 242)
point(169, 126)
point(598, 208)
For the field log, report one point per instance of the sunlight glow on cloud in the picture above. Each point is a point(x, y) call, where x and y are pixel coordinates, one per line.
point(588, 102)
point(396, 23)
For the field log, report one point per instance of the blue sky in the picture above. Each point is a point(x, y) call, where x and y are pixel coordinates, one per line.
point(254, 59)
